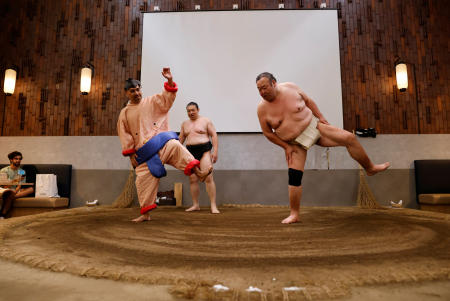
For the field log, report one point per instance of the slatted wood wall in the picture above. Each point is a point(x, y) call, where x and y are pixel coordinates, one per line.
point(49, 40)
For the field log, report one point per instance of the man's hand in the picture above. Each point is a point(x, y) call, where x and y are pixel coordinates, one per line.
point(288, 150)
point(168, 75)
point(133, 160)
point(323, 120)
point(18, 187)
point(214, 157)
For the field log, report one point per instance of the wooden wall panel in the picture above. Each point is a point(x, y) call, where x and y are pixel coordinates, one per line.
point(48, 41)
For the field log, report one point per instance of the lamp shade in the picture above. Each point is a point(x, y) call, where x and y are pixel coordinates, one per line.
point(85, 83)
point(401, 73)
point(10, 81)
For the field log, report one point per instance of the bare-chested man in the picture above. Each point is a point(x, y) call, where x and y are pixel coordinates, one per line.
point(197, 132)
point(292, 120)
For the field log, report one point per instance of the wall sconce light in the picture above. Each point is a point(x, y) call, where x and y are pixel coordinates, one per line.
point(86, 76)
point(9, 84)
point(401, 73)
point(10, 81)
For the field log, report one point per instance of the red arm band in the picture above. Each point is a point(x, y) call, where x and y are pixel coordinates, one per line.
point(169, 88)
point(128, 152)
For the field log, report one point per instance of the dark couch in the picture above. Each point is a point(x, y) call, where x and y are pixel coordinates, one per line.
point(433, 184)
point(31, 204)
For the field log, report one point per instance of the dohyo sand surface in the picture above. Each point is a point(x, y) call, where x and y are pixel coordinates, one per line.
point(331, 250)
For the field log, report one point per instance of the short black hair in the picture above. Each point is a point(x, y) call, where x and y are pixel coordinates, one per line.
point(14, 154)
point(192, 104)
point(131, 83)
point(266, 75)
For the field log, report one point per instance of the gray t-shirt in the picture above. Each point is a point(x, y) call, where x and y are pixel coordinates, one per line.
point(14, 174)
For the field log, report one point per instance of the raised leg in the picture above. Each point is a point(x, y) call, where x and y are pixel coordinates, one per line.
point(333, 136)
point(175, 154)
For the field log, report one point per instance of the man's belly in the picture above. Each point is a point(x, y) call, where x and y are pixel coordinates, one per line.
point(291, 129)
point(193, 139)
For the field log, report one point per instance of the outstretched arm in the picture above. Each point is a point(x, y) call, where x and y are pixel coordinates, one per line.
point(165, 100)
point(215, 141)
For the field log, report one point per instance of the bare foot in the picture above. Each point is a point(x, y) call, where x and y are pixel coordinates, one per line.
point(291, 219)
point(193, 208)
point(142, 218)
point(378, 168)
point(214, 210)
point(202, 174)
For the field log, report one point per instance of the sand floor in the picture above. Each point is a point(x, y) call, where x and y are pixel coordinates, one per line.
point(42, 285)
point(332, 253)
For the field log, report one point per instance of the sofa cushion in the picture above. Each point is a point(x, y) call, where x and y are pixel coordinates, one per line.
point(435, 198)
point(42, 202)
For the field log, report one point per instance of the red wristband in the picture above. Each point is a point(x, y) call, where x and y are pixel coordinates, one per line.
point(128, 152)
point(170, 88)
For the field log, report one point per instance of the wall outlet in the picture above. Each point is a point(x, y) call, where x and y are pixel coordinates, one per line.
point(156, 8)
point(280, 5)
point(235, 6)
point(197, 7)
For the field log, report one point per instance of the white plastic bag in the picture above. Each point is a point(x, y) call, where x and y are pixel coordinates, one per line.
point(46, 185)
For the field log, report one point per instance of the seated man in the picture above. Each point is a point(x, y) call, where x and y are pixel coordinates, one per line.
point(14, 175)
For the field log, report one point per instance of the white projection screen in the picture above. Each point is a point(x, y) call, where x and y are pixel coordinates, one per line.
point(215, 57)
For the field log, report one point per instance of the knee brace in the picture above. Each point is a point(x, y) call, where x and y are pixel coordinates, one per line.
point(295, 177)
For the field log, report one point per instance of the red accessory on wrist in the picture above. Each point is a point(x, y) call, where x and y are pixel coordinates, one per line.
point(128, 152)
point(170, 88)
